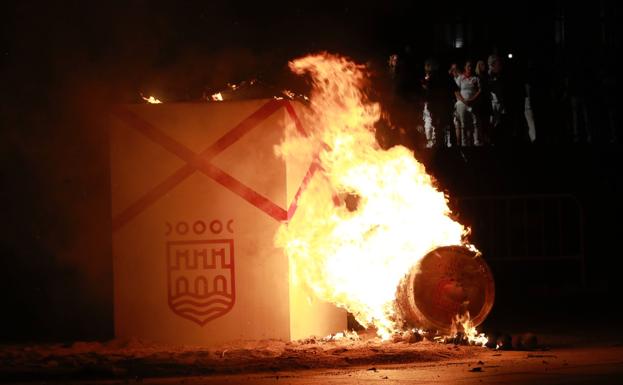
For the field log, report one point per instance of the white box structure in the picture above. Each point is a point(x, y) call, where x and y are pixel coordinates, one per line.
point(197, 196)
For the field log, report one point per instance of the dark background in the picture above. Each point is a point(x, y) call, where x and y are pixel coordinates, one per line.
point(63, 63)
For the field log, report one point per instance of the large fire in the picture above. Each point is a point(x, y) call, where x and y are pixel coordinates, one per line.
point(354, 254)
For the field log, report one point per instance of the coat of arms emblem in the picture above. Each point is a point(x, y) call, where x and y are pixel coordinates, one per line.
point(201, 281)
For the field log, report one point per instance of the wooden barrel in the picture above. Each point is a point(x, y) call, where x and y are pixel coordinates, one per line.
point(447, 282)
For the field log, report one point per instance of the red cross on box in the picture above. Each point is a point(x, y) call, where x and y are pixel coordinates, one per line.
point(201, 162)
point(198, 194)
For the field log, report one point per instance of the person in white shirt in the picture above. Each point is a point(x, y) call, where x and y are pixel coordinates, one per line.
point(466, 96)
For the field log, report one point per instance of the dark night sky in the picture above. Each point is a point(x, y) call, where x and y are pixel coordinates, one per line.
point(63, 63)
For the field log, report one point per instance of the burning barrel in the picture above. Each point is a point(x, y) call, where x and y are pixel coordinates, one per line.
point(447, 282)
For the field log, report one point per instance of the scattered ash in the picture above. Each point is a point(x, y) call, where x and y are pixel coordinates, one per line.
point(493, 340)
point(138, 359)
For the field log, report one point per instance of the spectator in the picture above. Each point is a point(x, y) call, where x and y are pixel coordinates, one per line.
point(437, 106)
point(507, 103)
point(466, 95)
point(580, 123)
point(482, 105)
point(497, 90)
point(529, 84)
point(452, 135)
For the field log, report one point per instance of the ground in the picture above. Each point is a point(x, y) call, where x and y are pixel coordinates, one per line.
point(350, 360)
point(566, 366)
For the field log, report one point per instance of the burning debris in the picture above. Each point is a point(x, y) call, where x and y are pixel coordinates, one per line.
point(349, 335)
point(151, 99)
point(217, 97)
point(521, 341)
point(356, 256)
point(252, 89)
point(289, 94)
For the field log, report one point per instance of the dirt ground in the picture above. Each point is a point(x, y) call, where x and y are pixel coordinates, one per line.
point(347, 360)
point(140, 359)
point(565, 366)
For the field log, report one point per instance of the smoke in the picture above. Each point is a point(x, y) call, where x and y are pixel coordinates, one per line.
point(62, 67)
point(62, 70)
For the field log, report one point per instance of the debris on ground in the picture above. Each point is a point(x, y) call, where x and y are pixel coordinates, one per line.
point(519, 341)
point(134, 358)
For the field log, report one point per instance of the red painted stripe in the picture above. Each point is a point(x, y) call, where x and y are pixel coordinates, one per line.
point(151, 197)
point(297, 122)
point(154, 134)
point(308, 176)
point(175, 147)
point(242, 128)
point(244, 191)
point(200, 162)
point(159, 137)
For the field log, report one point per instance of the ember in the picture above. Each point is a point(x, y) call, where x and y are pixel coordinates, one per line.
point(151, 100)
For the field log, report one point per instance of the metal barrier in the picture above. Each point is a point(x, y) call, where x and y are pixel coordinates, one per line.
point(526, 227)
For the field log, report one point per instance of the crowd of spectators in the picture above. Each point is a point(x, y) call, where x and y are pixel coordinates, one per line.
point(495, 101)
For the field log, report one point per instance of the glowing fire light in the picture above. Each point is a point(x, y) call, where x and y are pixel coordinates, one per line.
point(352, 335)
point(355, 257)
point(463, 323)
point(151, 100)
point(289, 94)
point(217, 97)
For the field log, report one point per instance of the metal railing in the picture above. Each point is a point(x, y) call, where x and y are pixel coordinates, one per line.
point(544, 227)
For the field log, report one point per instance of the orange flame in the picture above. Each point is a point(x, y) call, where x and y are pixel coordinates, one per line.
point(463, 323)
point(355, 257)
point(151, 100)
